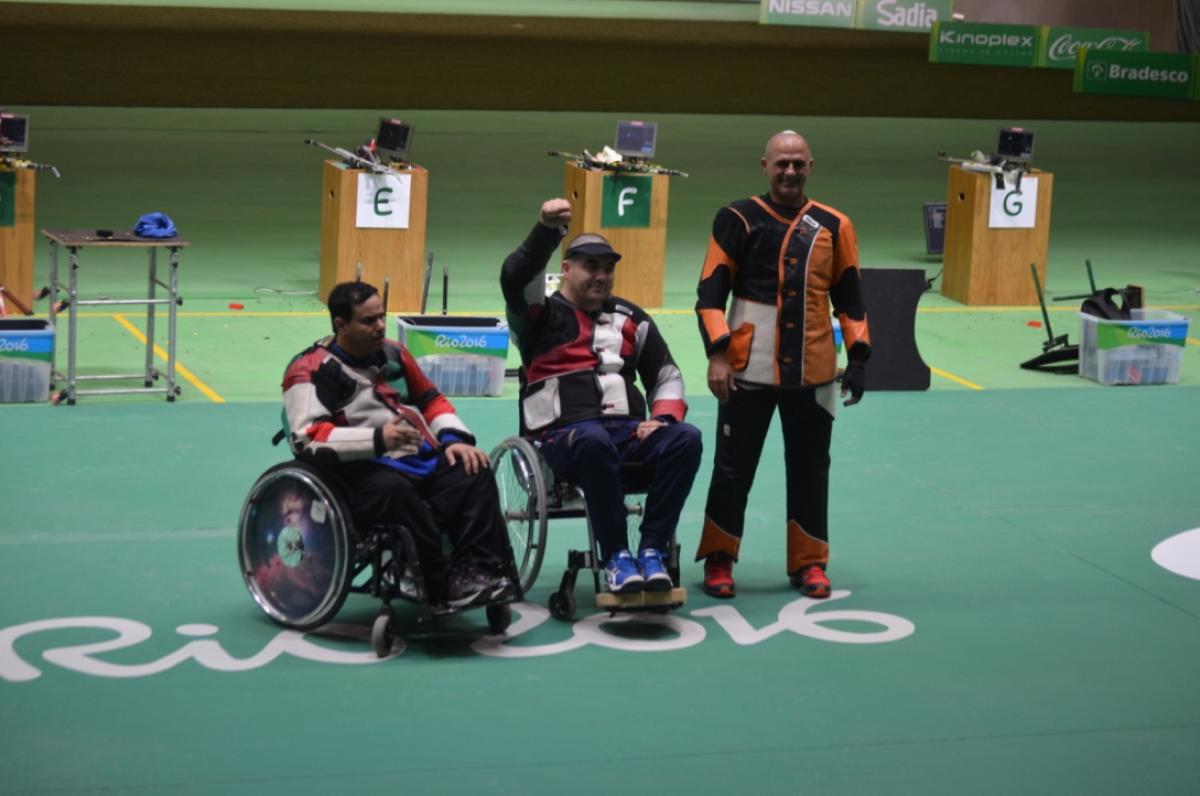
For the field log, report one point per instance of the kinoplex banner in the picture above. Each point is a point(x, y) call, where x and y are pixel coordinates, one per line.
point(915, 16)
point(1135, 74)
point(1059, 45)
point(980, 43)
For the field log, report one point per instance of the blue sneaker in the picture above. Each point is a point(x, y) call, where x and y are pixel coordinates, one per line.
point(623, 574)
point(654, 571)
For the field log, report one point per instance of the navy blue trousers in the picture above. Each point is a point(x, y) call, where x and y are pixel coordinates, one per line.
point(590, 453)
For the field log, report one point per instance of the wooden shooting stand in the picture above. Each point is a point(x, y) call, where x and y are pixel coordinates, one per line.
point(16, 242)
point(398, 254)
point(639, 274)
point(985, 265)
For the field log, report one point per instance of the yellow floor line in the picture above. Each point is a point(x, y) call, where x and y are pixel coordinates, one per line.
point(1193, 341)
point(187, 374)
point(955, 379)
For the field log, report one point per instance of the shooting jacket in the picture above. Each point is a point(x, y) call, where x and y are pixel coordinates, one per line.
point(578, 365)
point(336, 406)
point(783, 267)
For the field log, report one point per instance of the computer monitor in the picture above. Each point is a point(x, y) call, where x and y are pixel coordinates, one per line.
point(14, 132)
point(636, 139)
point(1016, 143)
point(393, 139)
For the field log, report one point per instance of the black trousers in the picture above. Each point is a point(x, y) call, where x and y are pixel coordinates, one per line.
point(742, 425)
point(464, 508)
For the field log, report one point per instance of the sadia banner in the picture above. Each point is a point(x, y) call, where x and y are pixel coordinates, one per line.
point(915, 16)
point(1135, 74)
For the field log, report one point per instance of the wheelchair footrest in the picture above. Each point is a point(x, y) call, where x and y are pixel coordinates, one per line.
point(640, 600)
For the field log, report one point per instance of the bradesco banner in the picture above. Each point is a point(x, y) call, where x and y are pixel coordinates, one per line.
point(916, 16)
point(1135, 74)
point(1059, 45)
point(979, 43)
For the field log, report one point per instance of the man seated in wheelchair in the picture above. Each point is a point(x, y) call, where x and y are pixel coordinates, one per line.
point(358, 406)
point(582, 351)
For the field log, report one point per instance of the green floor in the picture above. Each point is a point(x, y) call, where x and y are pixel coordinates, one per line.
point(1004, 629)
point(1022, 639)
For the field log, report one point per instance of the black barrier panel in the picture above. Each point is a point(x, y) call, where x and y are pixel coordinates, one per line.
point(891, 296)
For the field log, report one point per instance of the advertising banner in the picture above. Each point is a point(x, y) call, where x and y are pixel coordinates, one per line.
point(1059, 45)
point(824, 13)
point(979, 43)
point(914, 16)
point(1135, 74)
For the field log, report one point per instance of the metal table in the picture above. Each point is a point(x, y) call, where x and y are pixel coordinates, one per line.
point(74, 240)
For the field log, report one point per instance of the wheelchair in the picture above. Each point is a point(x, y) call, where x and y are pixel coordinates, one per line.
point(301, 556)
point(531, 495)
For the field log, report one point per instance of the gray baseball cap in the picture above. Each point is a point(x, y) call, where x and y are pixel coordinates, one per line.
point(592, 244)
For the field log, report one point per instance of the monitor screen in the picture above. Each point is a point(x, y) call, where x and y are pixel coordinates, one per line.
point(393, 139)
point(636, 139)
point(14, 132)
point(1016, 143)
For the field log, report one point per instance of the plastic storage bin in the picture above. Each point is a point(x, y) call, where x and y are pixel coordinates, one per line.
point(462, 356)
point(26, 347)
point(1148, 349)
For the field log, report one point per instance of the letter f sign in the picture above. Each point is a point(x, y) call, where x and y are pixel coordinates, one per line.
point(625, 199)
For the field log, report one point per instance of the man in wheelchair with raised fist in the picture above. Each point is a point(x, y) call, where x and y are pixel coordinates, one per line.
point(359, 407)
point(582, 352)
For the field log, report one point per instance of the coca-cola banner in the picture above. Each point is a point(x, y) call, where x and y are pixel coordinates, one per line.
point(1025, 45)
point(1059, 45)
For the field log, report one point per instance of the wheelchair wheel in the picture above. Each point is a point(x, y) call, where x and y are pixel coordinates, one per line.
point(499, 617)
point(517, 469)
point(294, 546)
point(382, 632)
point(562, 605)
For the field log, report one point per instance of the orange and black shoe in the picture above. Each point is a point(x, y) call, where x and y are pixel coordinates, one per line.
point(718, 576)
point(812, 582)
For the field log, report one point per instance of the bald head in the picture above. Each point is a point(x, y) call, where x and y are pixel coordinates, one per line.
point(790, 136)
point(787, 163)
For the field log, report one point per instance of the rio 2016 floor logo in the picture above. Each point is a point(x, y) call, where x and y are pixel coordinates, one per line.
point(796, 617)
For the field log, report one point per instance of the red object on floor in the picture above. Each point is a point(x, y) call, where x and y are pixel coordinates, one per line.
point(236, 306)
point(1034, 324)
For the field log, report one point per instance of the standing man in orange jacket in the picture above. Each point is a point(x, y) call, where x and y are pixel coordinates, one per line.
point(784, 258)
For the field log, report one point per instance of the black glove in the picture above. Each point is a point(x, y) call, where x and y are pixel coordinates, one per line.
point(854, 379)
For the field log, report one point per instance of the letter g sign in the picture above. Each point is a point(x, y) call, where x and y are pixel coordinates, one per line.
point(1012, 207)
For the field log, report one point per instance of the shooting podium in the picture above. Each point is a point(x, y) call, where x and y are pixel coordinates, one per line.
point(614, 204)
point(17, 233)
point(383, 252)
point(990, 265)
